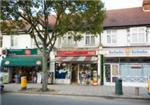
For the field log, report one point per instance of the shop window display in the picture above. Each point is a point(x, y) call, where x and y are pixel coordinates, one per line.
point(86, 76)
point(62, 74)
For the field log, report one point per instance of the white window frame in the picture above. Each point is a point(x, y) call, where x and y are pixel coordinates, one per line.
point(111, 36)
point(14, 41)
point(138, 35)
point(67, 42)
point(89, 40)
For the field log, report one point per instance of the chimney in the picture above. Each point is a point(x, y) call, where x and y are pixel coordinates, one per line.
point(146, 5)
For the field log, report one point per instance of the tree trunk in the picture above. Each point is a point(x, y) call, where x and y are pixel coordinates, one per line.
point(44, 69)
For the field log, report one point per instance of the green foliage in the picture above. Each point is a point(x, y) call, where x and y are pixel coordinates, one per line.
point(58, 17)
point(48, 20)
point(70, 15)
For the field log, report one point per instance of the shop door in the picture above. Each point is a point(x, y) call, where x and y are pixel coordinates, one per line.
point(107, 73)
point(74, 74)
point(114, 72)
point(111, 72)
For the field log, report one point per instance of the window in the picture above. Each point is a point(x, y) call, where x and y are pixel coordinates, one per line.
point(68, 41)
point(111, 36)
point(90, 40)
point(138, 35)
point(13, 41)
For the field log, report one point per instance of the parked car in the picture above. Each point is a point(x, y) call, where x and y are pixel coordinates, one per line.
point(1, 82)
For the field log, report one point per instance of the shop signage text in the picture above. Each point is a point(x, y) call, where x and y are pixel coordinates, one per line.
point(22, 51)
point(127, 52)
point(76, 53)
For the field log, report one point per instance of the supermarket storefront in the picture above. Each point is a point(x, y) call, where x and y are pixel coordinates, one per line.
point(21, 62)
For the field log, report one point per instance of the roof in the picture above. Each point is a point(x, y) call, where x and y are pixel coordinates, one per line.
point(146, 2)
point(118, 18)
point(126, 17)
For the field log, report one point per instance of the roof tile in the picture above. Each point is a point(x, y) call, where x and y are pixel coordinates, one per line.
point(126, 17)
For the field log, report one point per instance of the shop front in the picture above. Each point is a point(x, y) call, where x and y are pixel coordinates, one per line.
point(130, 64)
point(75, 66)
point(22, 62)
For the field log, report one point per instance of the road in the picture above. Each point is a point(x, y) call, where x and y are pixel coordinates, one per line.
point(22, 99)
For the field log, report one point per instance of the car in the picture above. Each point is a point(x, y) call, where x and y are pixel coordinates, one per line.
point(1, 83)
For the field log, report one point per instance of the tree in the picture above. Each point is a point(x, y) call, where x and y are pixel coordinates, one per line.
point(48, 20)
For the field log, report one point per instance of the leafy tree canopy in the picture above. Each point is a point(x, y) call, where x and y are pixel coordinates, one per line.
point(49, 19)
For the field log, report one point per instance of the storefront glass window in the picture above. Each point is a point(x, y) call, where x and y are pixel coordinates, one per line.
point(134, 72)
point(61, 72)
point(108, 72)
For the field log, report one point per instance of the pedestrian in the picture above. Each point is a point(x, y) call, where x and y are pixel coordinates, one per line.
point(84, 75)
point(34, 77)
point(89, 77)
point(81, 77)
point(20, 75)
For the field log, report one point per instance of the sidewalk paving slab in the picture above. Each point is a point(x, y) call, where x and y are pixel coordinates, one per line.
point(76, 90)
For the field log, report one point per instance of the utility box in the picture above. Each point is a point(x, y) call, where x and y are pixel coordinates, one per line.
point(118, 87)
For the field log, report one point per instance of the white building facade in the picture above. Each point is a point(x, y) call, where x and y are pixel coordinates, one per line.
point(126, 46)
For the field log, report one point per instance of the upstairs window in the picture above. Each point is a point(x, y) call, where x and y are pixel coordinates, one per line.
point(90, 40)
point(68, 41)
point(138, 35)
point(111, 36)
point(13, 41)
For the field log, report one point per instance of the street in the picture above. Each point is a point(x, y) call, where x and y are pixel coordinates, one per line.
point(22, 99)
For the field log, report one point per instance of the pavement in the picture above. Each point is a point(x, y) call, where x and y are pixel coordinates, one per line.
point(77, 90)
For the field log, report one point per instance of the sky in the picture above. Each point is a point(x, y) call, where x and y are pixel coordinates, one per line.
point(117, 4)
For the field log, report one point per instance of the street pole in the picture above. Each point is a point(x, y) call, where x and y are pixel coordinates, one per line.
point(102, 68)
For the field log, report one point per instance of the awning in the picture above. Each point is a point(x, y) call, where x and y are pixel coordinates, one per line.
point(92, 59)
point(22, 61)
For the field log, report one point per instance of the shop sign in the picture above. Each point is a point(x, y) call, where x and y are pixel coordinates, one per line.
point(127, 52)
point(22, 51)
point(136, 66)
point(76, 53)
point(27, 52)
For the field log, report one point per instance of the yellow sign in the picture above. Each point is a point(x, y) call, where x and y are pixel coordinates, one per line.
point(23, 82)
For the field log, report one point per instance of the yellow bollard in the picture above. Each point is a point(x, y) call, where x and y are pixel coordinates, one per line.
point(148, 86)
point(95, 82)
point(23, 82)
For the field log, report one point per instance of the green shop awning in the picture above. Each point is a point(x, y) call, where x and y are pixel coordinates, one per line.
point(22, 61)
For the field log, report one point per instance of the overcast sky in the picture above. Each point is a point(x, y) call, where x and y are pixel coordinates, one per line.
point(116, 4)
